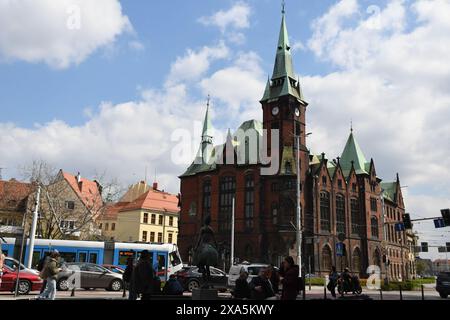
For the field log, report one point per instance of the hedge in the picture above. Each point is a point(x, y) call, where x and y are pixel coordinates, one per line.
point(407, 285)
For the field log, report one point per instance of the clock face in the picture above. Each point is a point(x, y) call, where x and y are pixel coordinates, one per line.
point(275, 111)
point(297, 112)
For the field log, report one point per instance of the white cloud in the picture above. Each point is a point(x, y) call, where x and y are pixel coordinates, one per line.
point(195, 63)
point(392, 79)
point(59, 33)
point(136, 45)
point(237, 17)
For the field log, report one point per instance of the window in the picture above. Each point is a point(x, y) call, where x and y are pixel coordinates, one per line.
point(340, 184)
point(100, 226)
point(373, 204)
point(275, 213)
point(275, 125)
point(145, 217)
point(324, 180)
point(67, 225)
point(193, 209)
point(374, 227)
point(106, 226)
point(152, 237)
point(356, 260)
point(113, 226)
point(144, 236)
point(288, 167)
point(70, 205)
point(249, 201)
point(171, 221)
point(297, 128)
point(340, 214)
point(274, 187)
point(160, 237)
point(326, 258)
point(153, 219)
point(325, 212)
point(227, 193)
point(206, 199)
point(354, 187)
point(160, 220)
point(354, 212)
point(170, 238)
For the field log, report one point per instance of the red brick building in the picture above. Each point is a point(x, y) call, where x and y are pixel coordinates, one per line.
point(341, 196)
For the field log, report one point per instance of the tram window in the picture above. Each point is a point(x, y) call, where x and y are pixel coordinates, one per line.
point(93, 258)
point(36, 258)
point(123, 257)
point(161, 262)
point(67, 257)
point(82, 257)
point(174, 259)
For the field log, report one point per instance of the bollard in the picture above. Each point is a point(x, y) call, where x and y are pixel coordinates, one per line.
point(325, 293)
point(381, 294)
point(72, 294)
point(401, 293)
point(304, 294)
point(423, 294)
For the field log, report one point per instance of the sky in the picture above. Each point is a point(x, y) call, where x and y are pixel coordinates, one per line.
point(108, 85)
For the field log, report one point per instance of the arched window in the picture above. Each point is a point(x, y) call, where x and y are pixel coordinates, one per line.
point(193, 208)
point(326, 258)
point(227, 193)
point(354, 212)
point(356, 260)
point(377, 258)
point(374, 227)
point(206, 211)
point(249, 201)
point(325, 224)
point(340, 214)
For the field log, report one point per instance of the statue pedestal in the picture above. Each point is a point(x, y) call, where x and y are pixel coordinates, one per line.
point(205, 294)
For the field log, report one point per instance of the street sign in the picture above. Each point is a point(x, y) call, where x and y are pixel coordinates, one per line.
point(339, 249)
point(439, 223)
point(446, 216)
point(399, 227)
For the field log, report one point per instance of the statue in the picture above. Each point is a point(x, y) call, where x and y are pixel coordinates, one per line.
point(205, 252)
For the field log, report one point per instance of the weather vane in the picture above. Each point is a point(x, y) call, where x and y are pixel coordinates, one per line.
point(283, 6)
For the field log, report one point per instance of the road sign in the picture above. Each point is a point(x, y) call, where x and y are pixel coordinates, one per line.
point(439, 223)
point(339, 249)
point(446, 216)
point(399, 227)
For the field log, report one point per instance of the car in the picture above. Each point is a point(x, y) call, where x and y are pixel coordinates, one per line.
point(13, 264)
point(114, 268)
point(252, 270)
point(28, 281)
point(190, 278)
point(443, 284)
point(92, 276)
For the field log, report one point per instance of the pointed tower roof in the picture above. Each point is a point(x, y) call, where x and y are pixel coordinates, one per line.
point(207, 124)
point(352, 152)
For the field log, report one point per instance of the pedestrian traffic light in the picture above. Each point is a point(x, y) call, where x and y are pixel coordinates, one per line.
point(407, 221)
point(424, 247)
point(446, 215)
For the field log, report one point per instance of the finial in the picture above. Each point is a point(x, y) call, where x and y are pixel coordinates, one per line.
point(351, 125)
point(283, 7)
point(208, 101)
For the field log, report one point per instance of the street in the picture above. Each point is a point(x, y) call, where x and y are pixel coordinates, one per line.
point(316, 293)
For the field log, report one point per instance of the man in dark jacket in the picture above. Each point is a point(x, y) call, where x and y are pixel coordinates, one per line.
point(290, 281)
point(261, 288)
point(242, 288)
point(127, 279)
point(173, 287)
point(142, 276)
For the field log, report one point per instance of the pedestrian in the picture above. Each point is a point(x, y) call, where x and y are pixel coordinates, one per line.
point(50, 273)
point(142, 276)
point(275, 278)
point(2, 262)
point(157, 286)
point(260, 286)
point(41, 266)
point(242, 288)
point(173, 287)
point(333, 278)
point(290, 281)
point(127, 277)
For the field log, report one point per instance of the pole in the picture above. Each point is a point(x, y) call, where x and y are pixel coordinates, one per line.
point(16, 291)
point(299, 211)
point(33, 229)
point(309, 264)
point(232, 232)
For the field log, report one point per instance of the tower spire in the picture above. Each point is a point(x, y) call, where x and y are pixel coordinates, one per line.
point(283, 7)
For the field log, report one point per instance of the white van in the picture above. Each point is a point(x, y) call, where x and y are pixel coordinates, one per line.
point(252, 270)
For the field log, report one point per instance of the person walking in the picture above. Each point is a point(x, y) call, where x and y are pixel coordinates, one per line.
point(127, 277)
point(41, 266)
point(290, 281)
point(143, 275)
point(173, 287)
point(242, 288)
point(50, 273)
point(333, 278)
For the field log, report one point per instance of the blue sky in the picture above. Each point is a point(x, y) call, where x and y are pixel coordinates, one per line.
point(108, 97)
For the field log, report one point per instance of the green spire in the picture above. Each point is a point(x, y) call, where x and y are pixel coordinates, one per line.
point(352, 152)
point(207, 126)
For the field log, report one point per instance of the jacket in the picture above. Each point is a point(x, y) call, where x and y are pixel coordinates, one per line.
point(267, 289)
point(142, 277)
point(290, 284)
point(242, 289)
point(50, 270)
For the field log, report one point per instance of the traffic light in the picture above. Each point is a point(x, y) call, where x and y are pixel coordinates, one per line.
point(424, 246)
point(446, 215)
point(407, 221)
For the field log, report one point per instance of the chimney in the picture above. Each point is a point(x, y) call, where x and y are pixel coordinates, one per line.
point(80, 183)
point(155, 186)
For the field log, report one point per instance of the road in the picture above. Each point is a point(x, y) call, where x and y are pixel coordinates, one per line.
point(315, 293)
